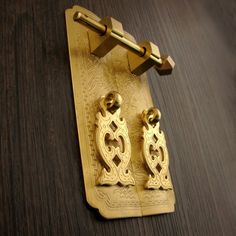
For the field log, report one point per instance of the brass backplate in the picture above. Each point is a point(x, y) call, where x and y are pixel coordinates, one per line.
point(93, 77)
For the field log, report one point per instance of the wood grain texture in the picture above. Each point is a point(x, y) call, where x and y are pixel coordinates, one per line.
point(41, 184)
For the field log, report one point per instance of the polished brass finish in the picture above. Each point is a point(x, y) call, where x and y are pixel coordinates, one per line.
point(110, 33)
point(101, 29)
point(101, 45)
point(113, 142)
point(90, 22)
point(93, 78)
point(140, 64)
point(167, 66)
point(155, 151)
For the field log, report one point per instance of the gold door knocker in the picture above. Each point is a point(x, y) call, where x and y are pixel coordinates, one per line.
point(155, 151)
point(104, 58)
point(113, 142)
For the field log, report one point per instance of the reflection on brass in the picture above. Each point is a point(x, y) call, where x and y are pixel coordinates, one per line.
point(138, 65)
point(101, 45)
point(110, 33)
point(155, 151)
point(113, 142)
point(92, 78)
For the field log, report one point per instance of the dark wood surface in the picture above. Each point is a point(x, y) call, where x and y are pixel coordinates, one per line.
point(41, 183)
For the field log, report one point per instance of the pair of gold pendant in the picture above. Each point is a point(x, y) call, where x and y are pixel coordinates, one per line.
point(114, 146)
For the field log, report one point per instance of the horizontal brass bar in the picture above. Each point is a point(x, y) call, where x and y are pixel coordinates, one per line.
point(124, 42)
point(89, 22)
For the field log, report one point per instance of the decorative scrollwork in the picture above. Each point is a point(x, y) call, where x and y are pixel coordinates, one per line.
point(155, 151)
point(113, 142)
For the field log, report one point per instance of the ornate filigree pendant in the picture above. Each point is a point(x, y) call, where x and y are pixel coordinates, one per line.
point(155, 151)
point(113, 142)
